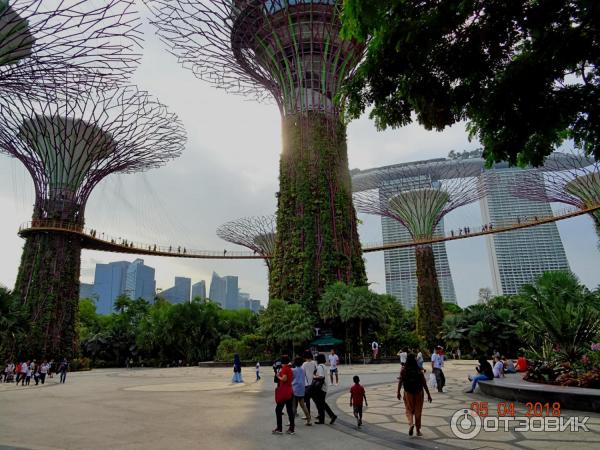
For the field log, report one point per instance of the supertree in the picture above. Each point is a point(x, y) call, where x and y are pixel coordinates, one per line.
point(68, 148)
point(71, 44)
point(574, 180)
point(418, 196)
point(256, 233)
point(291, 51)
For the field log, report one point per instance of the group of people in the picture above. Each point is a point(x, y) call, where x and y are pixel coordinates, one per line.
point(23, 372)
point(502, 366)
point(298, 383)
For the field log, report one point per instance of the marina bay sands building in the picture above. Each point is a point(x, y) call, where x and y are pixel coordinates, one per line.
point(516, 257)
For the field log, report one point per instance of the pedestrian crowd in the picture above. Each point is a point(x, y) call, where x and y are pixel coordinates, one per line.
point(23, 372)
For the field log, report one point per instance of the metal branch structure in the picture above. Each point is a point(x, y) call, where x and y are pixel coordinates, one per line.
point(68, 44)
point(68, 148)
point(290, 51)
point(576, 182)
point(256, 233)
point(419, 199)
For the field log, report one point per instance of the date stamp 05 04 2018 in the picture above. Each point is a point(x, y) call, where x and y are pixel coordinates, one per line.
point(538, 416)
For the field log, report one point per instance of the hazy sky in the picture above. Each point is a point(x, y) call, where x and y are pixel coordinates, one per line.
point(229, 169)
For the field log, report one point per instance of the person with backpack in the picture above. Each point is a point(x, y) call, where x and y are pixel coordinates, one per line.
point(319, 391)
point(413, 380)
point(284, 396)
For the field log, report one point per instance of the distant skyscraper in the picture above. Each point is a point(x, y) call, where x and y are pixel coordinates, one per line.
point(400, 263)
point(139, 281)
point(232, 300)
point(518, 257)
point(218, 289)
point(255, 305)
point(109, 283)
point(244, 300)
point(180, 293)
point(199, 289)
point(86, 290)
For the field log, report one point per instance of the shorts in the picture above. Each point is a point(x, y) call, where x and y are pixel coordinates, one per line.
point(334, 370)
point(357, 411)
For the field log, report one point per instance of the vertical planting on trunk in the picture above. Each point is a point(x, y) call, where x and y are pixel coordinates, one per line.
point(430, 312)
point(317, 240)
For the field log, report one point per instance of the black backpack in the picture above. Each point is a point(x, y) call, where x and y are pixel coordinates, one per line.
point(412, 382)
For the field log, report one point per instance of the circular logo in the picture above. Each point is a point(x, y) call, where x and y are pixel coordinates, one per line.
point(465, 424)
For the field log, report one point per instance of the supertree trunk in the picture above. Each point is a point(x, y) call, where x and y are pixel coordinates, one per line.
point(430, 312)
point(48, 288)
point(317, 240)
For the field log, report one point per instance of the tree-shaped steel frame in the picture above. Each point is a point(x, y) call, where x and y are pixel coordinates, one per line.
point(289, 49)
point(68, 148)
point(420, 196)
point(49, 47)
point(256, 233)
point(292, 51)
point(575, 180)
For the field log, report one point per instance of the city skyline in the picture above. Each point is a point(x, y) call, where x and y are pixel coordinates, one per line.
point(191, 197)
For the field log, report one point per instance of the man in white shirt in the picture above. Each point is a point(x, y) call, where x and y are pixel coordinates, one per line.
point(437, 363)
point(403, 354)
point(333, 362)
point(309, 367)
point(498, 367)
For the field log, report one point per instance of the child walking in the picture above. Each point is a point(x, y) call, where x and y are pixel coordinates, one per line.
point(357, 395)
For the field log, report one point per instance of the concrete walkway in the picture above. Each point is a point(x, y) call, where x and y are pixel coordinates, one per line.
point(200, 408)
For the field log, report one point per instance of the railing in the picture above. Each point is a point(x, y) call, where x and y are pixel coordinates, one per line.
point(101, 241)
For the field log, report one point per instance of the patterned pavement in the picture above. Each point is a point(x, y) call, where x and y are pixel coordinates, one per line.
point(385, 418)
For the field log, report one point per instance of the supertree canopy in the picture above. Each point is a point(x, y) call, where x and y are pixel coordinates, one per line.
point(419, 197)
point(291, 51)
point(68, 148)
point(71, 44)
point(255, 233)
point(574, 181)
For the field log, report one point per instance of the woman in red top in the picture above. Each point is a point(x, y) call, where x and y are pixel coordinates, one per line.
point(284, 396)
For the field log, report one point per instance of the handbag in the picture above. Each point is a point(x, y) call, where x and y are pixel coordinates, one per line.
point(317, 384)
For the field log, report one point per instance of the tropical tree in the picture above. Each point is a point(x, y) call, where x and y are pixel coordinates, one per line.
point(13, 325)
point(523, 73)
point(560, 314)
point(361, 307)
point(331, 301)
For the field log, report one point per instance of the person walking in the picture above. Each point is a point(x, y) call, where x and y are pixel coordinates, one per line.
point(44, 371)
point(333, 368)
point(375, 349)
point(237, 369)
point(357, 395)
point(484, 372)
point(420, 360)
point(62, 370)
point(284, 396)
point(319, 392)
point(413, 381)
point(257, 370)
point(28, 373)
point(300, 389)
point(24, 370)
point(403, 354)
point(437, 365)
point(310, 368)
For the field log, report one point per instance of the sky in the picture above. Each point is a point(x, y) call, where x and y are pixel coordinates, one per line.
point(229, 169)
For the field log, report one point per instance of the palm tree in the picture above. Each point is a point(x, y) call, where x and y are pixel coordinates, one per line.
point(332, 299)
point(559, 312)
point(297, 325)
point(362, 306)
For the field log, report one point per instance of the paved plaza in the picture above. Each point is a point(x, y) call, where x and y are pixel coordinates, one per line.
point(200, 408)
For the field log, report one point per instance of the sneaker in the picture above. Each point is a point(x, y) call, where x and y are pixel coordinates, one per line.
point(308, 424)
point(276, 431)
point(410, 430)
point(333, 419)
point(360, 422)
point(290, 431)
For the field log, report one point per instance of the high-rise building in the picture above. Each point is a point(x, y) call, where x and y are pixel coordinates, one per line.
point(218, 289)
point(199, 289)
point(135, 280)
point(139, 281)
point(86, 290)
point(109, 283)
point(180, 292)
point(518, 257)
point(232, 300)
point(255, 305)
point(400, 263)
